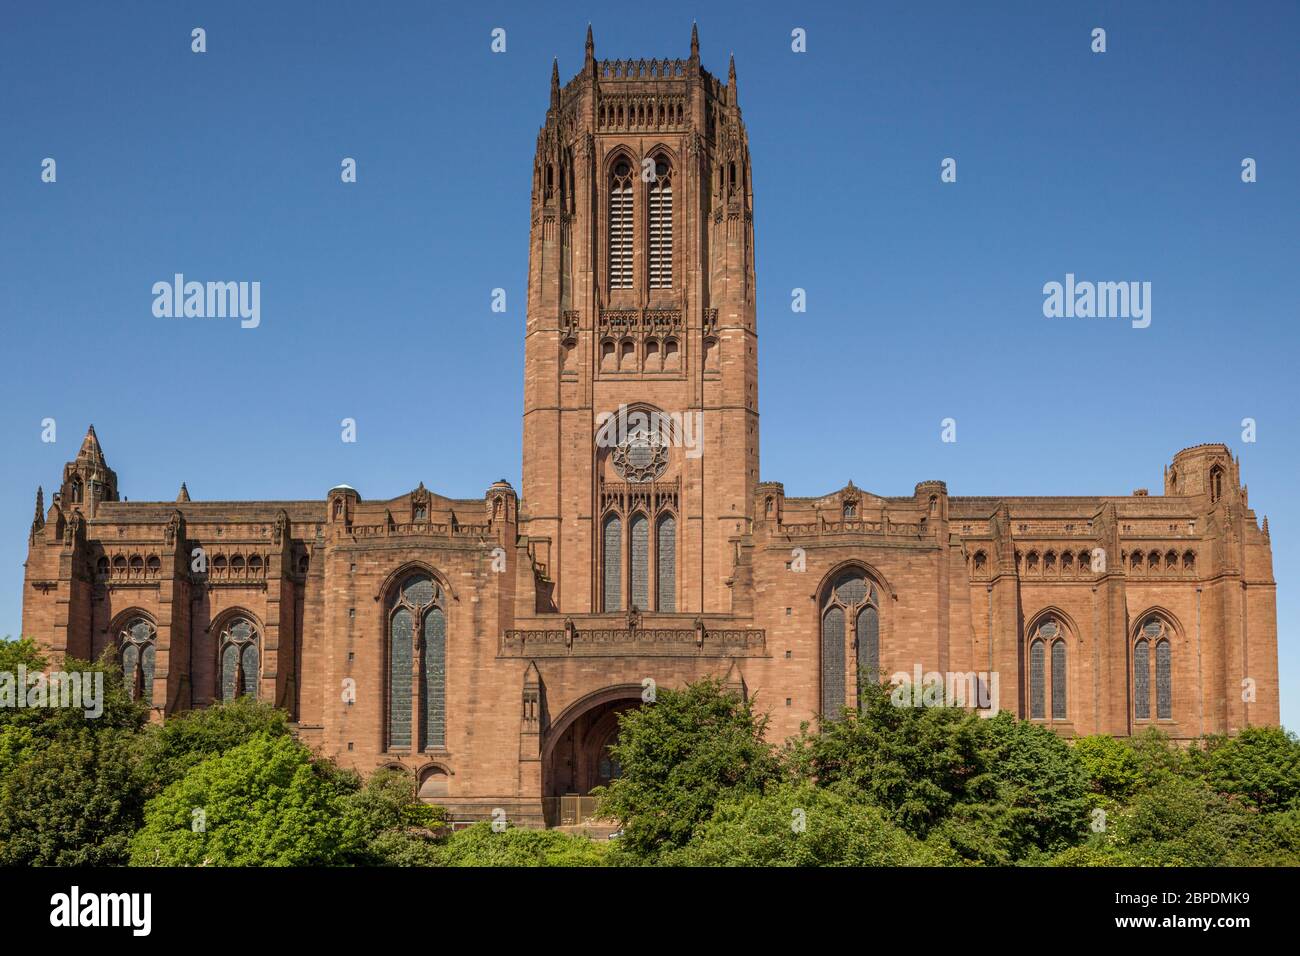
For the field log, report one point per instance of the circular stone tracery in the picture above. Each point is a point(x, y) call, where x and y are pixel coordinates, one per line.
point(642, 456)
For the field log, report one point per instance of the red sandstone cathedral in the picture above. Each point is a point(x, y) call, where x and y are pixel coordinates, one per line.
point(488, 645)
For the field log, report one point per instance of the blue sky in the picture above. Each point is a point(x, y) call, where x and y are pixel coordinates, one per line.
point(924, 299)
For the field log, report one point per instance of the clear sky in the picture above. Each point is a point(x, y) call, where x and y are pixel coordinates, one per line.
point(924, 299)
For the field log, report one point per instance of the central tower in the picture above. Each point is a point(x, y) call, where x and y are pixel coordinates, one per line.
point(641, 299)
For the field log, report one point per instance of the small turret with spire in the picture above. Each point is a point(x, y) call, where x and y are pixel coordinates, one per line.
point(183, 494)
point(87, 479)
point(555, 84)
point(589, 58)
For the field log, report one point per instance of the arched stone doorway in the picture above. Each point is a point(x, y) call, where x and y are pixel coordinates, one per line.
point(576, 757)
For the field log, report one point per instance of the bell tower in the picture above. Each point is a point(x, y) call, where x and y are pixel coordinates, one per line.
point(641, 306)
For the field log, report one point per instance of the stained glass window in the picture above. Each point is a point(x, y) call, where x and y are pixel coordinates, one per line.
point(239, 660)
point(136, 641)
point(666, 552)
point(868, 647)
point(433, 702)
point(400, 645)
point(640, 567)
point(613, 547)
point(1058, 680)
point(1037, 681)
point(851, 598)
point(1164, 681)
point(1142, 680)
point(851, 589)
point(833, 662)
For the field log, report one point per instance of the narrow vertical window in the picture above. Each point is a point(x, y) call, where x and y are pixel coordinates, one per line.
point(620, 226)
point(612, 588)
point(136, 642)
point(868, 647)
point(1037, 681)
point(666, 553)
point(239, 659)
point(1164, 681)
point(851, 599)
point(640, 556)
point(433, 700)
point(833, 662)
point(1058, 680)
point(401, 640)
point(661, 227)
point(1142, 680)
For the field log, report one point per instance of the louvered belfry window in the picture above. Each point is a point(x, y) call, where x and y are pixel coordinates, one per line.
point(620, 226)
point(661, 227)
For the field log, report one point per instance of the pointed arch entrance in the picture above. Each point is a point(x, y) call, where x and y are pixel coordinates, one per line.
point(575, 753)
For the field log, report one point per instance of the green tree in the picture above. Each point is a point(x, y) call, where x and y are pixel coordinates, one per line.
point(799, 824)
point(70, 789)
point(1111, 766)
point(679, 757)
point(184, 740)
point(1260, 765)
point(916, 763)
point(390, 824)
point(263, 803)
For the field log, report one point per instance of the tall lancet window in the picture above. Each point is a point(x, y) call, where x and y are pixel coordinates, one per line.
point(620, 226)
point(612, 586)
point(850, 640)
point(640, 566)
point(666, 552)
point(417, 628)
point(137, 647)
point(661, 226)
point(239, 660)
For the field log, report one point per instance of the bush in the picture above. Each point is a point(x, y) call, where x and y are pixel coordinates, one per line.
point(1260, 765)
point(480, 845)
point(679, 757)
point(837, 830)
point(263, 803)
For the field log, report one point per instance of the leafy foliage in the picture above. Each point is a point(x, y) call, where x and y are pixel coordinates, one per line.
point(798, 824)
point(480, 845)
point(679, 756)
point(263, 803)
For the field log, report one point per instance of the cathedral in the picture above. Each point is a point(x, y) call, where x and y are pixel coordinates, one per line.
point(487, 646)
